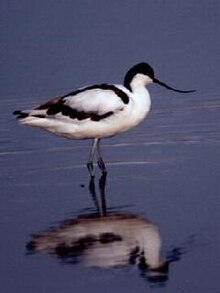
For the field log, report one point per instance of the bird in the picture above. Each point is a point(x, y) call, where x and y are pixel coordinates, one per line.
point(97, 111)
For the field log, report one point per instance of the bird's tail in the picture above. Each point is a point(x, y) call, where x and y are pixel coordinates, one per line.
point(20, 114)
point(31, 117)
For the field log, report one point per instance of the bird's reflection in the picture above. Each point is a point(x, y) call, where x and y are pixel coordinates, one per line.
point(107, 240)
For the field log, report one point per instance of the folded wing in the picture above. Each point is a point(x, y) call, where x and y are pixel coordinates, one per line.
point(95, 103)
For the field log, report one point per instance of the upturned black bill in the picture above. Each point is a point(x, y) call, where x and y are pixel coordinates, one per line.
point(170, 88)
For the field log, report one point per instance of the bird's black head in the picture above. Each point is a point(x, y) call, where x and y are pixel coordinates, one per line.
point(143, 68)
point(146, 69)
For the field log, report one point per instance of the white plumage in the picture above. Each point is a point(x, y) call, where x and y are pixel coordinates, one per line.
point(97, 111)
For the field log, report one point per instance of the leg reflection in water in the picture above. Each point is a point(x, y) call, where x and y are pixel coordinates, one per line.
point(100, 205)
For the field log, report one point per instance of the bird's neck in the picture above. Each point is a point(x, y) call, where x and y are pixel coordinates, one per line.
point(139, 82)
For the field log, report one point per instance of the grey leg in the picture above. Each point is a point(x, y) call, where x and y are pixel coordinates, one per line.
point(100, 161)
point(91, 157)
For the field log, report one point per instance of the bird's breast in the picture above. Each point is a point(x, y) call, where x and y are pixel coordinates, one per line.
point(140, 106)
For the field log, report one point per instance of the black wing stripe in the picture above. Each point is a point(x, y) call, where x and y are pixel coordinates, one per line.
point(122, 95)
point(74, 114)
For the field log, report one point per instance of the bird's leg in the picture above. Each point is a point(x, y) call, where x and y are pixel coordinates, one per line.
point(91, 157)
point(100, 161)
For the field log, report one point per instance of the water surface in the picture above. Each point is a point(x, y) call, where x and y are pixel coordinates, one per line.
point(165, 173)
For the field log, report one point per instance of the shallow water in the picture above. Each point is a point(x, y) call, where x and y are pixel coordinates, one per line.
point(165, 172)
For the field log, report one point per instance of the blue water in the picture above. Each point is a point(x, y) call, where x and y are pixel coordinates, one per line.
point(166, 171)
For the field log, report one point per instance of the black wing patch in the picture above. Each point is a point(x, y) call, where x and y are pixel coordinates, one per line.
point(122, 95)
point(49, 104)
point(75, 114)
